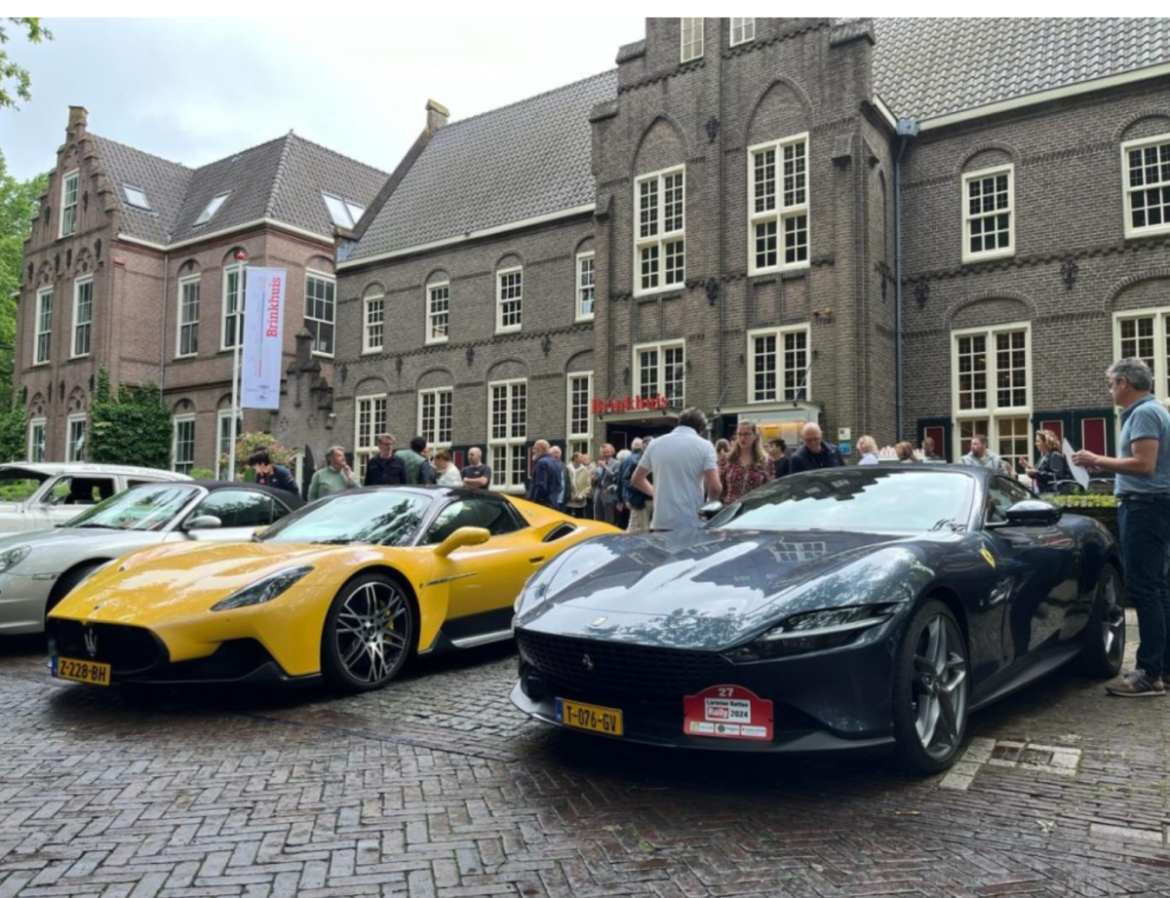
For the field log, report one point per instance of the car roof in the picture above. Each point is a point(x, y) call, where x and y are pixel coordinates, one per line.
point(52, 468)
point(431, 490)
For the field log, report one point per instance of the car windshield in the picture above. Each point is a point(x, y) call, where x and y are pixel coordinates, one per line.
point(148, 507)
point(897, 501)
point(17, 484)
point(378, 517)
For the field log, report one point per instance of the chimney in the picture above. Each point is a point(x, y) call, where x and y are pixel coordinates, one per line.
point(77, 119)
point(437, 115)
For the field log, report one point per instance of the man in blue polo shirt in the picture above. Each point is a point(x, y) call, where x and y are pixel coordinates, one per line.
point(1143, 485)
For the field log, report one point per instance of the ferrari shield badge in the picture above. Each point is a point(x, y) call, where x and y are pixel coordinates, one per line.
point(987, 556)
point(727, 712)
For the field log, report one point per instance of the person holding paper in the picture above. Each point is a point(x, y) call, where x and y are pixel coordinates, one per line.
point(1052, 467)
point(1143, 486)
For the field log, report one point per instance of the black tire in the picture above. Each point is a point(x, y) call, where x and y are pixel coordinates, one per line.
point(369, 633)
point(931, 690)
point(1103, 639)
point(69, 582)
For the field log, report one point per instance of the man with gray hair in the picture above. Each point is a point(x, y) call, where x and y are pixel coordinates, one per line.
point(334, 477)
point(683, 464)
point(1143, 486)
point(546, 476)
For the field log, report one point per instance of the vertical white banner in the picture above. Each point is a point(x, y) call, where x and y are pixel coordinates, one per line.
point(263, 337)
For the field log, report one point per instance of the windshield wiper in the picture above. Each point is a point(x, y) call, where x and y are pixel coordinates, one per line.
point(94, 526)
point(947, 522)
point(336, 541)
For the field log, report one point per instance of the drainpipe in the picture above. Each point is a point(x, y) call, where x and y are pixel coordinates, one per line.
point(162, 341)
point(906, 129)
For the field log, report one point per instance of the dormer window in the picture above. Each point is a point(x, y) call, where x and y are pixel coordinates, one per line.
point(69, 203)
point(692, 39)
point(209, 213)
point(136, 197)
point(344, 213)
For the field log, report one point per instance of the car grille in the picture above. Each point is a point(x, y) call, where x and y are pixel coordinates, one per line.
point(127, 650)
point(635, 670)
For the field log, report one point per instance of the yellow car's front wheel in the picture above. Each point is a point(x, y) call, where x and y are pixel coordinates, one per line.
point(368, 635)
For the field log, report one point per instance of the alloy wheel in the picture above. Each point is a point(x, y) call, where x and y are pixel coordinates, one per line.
point(371, 631)
point(939, 687)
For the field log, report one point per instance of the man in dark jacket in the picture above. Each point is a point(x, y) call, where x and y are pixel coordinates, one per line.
point(385, 468)
point(815, 453)
point(418, 469)
point(273, 475)
point(546, 482)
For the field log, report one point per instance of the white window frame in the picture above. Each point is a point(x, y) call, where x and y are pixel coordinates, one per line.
point(128, 191)
point(176, 421)
point(43, 295)
point(690, 50)
point(430, 337)
point(501, 328)
point(237, 269)
point(502, 481)
point(433, 432)
point(332, 279)
point(780, 213)
point(362, 452)
point(225, 414)
point(661, 347)
point(1161, 355)
point(582, 258)
point(805, 375)
point(368, 345)
point(192, 325)
point(991, 412)
point(213, 206)
point(69, 442)
point(966, 217)
point(78, 283)
point(35, 424)
point(660, 238)
point(71, 179)
point(1127, 190)
point(578, 440)
point(747, 29)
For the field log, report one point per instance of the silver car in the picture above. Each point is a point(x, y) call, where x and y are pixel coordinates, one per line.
point(35, 495)
point(39, 569)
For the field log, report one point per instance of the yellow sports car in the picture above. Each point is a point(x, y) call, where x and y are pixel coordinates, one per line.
point(346, 589)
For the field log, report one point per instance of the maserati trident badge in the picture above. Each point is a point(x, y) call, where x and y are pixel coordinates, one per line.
point(598, 622)
point(588, 662)
point(91, 642)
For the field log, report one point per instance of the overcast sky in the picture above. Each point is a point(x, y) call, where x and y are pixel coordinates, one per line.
point(196, 90)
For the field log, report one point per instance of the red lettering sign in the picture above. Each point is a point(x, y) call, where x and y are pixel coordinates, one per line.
point(629, 404)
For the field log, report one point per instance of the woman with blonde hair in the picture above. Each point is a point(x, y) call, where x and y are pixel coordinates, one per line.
point(867, 448)
point(1053, 465)
point(745, 466)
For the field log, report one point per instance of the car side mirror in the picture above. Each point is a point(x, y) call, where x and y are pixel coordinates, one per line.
point(203, 522)
point(464, 536)
point(258, 531)
point(1033, 513)
point(708, 511)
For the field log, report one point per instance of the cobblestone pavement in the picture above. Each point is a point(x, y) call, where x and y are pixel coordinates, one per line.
point(438, 787)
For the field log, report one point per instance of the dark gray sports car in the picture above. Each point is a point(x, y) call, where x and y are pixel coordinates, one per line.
point(868, 608)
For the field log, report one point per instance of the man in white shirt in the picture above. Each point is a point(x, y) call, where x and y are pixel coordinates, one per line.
point(980, 456)
point(683, 464)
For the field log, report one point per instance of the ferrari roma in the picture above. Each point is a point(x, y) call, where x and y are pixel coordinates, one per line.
point(846, 609)
point(345, 589)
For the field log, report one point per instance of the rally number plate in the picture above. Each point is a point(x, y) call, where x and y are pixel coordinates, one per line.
point(93, 672)
point(593, 718)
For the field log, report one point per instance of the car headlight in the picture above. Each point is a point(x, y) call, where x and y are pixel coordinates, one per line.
point(264, 590)
point(813, 631)
point(12, 557)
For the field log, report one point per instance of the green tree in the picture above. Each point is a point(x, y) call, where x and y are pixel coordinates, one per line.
point(18, 203)
point(10, 72)
point(132, 428)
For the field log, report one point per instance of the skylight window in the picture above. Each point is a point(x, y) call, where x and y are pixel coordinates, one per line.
point(136, 196)
point(344, 213)
point(207, 214)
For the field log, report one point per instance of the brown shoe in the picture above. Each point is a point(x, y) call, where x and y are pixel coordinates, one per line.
point(1136, 684)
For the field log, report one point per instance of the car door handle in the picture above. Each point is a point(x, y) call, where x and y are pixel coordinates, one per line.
point(537, 560)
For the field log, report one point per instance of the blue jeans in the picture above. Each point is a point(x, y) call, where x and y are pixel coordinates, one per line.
point(1145, 548)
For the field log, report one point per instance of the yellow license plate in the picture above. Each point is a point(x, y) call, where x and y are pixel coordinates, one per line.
point(594, 718)
point(93, 672)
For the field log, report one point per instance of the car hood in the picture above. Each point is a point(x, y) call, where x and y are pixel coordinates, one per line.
point(65, 545)
point(714, 587)
point(174, 581)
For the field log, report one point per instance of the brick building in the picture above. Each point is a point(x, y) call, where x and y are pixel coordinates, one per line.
point(135, 265)
point(902, 227)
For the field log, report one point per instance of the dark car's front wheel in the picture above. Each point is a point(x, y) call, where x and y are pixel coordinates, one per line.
point(1103, 638)
point(369, 632)
point(930, 690)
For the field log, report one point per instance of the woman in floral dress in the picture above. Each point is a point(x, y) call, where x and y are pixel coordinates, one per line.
point(746, 466)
